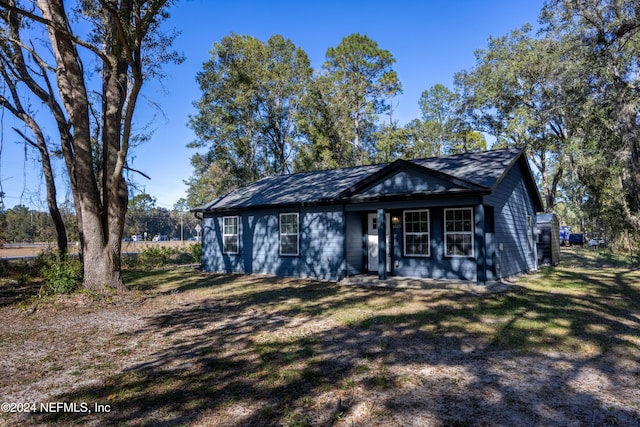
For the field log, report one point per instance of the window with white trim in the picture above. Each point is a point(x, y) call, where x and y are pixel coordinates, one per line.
point(416, 233)
point(230, 235)
point(289, 234)
point(458, 232)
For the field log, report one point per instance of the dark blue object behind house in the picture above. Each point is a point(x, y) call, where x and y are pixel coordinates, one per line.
point(468, 216)
point(548, 239)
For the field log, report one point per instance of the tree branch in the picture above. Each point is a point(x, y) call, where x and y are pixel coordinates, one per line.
point(26, 138)
point(137, 171)
point(65, 32)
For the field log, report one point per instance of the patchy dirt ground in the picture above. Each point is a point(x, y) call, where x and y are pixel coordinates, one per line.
point(251, 350)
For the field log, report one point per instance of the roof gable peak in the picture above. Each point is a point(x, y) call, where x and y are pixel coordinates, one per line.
point(438, 179)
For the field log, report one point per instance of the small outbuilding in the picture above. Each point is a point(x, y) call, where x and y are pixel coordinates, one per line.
point(465, 217)
point(548, 239)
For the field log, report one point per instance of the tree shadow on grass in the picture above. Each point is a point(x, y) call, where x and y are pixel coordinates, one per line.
point(166, 281)
point(261, 357)
point(217, 352)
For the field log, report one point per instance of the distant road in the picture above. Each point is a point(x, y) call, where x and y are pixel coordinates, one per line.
point(15, 251)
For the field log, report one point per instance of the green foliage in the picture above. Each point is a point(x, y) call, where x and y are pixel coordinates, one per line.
point(521, 92)
point(144, 216)
point(129, 261)
point(62, 274)
point(467, 141)
point(390, 144)
point(439, 106)
point(153, 257)
point(196, 252)
point(246, 116)
point(324, 122)
point(567, 94)
point(362, 75)
point(420, 139)
point(20, 224)
point(3, 224)
point(4, 267)
point(600, 43)
point(209, 180)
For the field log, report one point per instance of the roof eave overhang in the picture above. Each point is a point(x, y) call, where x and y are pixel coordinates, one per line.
point(358, 200)
point(418, 196)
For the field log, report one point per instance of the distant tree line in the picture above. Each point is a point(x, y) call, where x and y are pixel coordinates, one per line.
point(568, 94)
point(145, 218)
point(20, 224)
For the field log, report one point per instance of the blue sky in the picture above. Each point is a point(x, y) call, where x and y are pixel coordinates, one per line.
point(430, 40)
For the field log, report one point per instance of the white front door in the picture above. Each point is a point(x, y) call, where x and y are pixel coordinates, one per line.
point(372, 241)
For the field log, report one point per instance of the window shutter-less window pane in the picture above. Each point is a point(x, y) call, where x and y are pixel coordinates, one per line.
point(230, 235)
point(459, 232)
point(416, 233)
point(289, 234)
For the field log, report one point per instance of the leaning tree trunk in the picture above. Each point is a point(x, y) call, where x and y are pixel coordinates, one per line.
point(125, 40)
point(52, 195)
point(13, 71)
point(52, 202)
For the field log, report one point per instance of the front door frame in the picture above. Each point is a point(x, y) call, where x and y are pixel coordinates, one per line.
point(372, 242)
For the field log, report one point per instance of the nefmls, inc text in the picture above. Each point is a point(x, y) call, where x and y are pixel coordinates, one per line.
point(74, 407)
point(56, 407)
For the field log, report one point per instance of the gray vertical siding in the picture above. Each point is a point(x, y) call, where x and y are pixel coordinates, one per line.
point(213, 257)
point(321, 244)
point(355, 249)
point(512, 203)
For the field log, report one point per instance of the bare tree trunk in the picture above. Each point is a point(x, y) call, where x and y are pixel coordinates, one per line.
point(101, 255)
point(634, 154)
point(125, 29)
point(551, 198)
point(52, 198)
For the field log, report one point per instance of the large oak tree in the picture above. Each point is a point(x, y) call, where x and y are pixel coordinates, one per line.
point(602, 39)
point(123, 45)
point(520, 90)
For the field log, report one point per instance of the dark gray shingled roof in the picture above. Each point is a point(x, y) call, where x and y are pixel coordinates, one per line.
point(484, 169)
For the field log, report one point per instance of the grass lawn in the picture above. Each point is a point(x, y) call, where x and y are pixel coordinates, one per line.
point(560, 347)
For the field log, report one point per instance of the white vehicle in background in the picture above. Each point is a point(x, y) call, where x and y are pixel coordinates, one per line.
point(596, 242)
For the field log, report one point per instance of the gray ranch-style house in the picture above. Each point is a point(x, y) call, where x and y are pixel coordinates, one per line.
point(465, 217)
